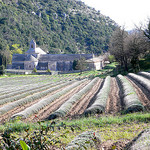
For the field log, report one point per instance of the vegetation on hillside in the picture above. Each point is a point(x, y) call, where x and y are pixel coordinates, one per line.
point(58, 26)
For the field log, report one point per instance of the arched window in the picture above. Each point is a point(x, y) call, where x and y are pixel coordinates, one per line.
point(31, 45)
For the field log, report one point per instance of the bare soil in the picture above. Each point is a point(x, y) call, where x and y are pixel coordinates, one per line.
point(113, 102)
point(44, 113)
point(109, 145)
point(114, 105)
point(5, 117)
point(81, 105)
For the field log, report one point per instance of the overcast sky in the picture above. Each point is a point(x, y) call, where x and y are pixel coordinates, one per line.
point(123, 12)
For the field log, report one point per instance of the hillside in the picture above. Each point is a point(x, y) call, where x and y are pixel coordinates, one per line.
point(58, 26)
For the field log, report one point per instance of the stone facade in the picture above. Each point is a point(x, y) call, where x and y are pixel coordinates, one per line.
point(35, 57)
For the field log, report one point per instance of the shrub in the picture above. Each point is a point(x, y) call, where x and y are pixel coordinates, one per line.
point(34, 70)
point(46, 137)
point(48, 70)
point(85, 140)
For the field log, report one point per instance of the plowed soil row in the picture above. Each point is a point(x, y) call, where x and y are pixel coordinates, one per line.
point(7, 116)
point(44, 113)
point(140, 91)
point(29, 95)
point(80, 106)
point(113, 102)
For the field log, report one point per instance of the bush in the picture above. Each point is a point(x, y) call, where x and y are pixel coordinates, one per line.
point(46, 137)
point(111, 58)
point(34, 70)
point(85, 140)
point(48, 70)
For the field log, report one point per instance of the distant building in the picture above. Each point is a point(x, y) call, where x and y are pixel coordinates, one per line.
point(35, 57)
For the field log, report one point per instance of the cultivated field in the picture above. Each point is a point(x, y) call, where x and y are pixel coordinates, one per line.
point(50, 97)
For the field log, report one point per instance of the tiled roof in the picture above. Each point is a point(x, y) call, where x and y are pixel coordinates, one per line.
point(18, 57)
point(30, 58)
point(35, 51)
point(63, 57)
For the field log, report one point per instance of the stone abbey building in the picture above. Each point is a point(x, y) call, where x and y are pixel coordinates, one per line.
point(35, 57)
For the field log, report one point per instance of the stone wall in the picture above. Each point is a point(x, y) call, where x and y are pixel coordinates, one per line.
point(54, 62)
point(64, 66)
point(17, 65)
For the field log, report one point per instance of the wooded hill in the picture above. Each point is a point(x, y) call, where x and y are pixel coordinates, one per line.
point(58, 26)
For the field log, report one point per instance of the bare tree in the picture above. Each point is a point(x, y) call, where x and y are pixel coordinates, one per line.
point(147, 31)
point(136, 46)
point(128, 48)
point(117, 47)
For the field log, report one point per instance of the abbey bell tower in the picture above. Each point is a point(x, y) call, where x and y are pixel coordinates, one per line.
point(32, 44)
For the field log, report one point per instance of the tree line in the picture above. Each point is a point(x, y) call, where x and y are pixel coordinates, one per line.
point(129, 47)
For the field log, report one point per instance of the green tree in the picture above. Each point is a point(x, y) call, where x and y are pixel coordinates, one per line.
point(111, 58)
point(128, 48)
point(2, 69)
point(5, 54)
point(34, 70)
point(80, 64)
point(16, 49)
point(18, 24)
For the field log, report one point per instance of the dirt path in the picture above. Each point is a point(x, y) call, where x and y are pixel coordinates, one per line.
point(44, 113)
point(143, 98)
point(113, 102)
point(81, 105)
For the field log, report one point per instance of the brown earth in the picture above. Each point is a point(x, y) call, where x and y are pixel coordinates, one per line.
point(113, 106)
point(113, 102)
point(44, 113)
point(5, 117)
point(109, 145)
point(79, 107)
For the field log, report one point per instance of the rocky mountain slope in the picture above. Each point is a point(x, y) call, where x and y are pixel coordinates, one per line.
point(58, 26)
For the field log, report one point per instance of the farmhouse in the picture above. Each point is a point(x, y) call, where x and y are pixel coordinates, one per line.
point(35, 57)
